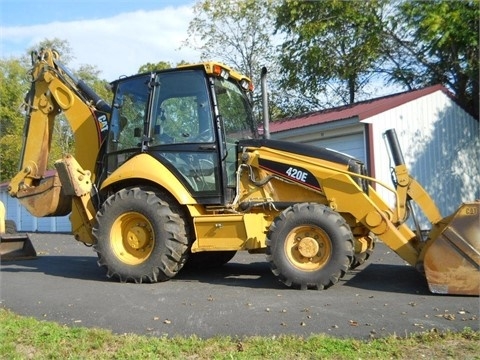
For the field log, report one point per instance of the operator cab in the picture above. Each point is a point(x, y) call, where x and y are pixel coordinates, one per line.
point(190, 119)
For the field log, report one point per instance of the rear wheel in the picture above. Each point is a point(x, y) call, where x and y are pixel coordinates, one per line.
point(309, 246)
point(141, 236)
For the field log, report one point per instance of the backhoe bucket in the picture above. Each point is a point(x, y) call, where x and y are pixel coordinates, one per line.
point(13, 245)
point(452, 260)
point(16, 247)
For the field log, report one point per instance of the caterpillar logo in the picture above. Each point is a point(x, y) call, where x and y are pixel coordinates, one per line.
point(103, 122)
point(471, 210)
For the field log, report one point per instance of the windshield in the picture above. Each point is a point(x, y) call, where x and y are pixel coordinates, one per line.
point(235, 110)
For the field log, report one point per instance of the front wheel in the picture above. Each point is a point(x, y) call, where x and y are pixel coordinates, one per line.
point(309, 246)
point(141, 236)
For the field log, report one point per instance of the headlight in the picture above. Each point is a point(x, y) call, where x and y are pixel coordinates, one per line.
point(220, 71)
point(246, 85)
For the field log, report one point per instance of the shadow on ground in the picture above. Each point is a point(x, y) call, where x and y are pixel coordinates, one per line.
point(74, 267)
point(389, 278)
point(374, 277)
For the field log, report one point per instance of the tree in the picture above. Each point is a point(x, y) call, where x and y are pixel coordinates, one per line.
point(161, 65)
point(150, 67)
point(238, 33)
point(61, 46)
point(331, 47)
point(434, 42)
point(13, 86)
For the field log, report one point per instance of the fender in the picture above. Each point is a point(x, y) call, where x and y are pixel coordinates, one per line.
point(145, 167)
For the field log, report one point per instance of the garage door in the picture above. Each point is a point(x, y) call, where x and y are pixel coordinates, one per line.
point(351, 144)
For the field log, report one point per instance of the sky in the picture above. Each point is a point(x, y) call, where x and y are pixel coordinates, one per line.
point(116, 36)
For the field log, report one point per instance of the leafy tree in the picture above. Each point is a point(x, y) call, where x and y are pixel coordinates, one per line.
point(435, 42)
point(331, 46)
point(13, 86)
point(150, 67)
point(161, 65)
point(238, 33)
point(61, 46)
point(337, 47)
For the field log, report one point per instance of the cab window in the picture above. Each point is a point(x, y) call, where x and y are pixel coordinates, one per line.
point(182, 112)
point(129, 114)
point(238, 123)
point(235, 111)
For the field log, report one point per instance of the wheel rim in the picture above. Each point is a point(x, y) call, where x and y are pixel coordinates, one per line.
point(132, 238)
point(308, 248)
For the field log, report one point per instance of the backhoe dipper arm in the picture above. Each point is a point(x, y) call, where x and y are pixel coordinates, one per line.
point(54, 90)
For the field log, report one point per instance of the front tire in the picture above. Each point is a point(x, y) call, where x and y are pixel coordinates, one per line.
point(141, 236)
point(309, 246)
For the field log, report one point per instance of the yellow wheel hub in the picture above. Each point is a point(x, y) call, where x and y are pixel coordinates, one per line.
point(132, 238)
point(308, 248)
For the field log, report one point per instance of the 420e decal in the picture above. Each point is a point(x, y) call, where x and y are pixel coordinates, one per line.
point(296, 173)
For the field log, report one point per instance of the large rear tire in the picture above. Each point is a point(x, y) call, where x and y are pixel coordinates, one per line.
point(141, 236)
point(309, 246)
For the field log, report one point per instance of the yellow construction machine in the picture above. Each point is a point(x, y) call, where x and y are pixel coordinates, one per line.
point(174, 173)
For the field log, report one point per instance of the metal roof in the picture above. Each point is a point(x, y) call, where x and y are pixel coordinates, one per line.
point(361, 110)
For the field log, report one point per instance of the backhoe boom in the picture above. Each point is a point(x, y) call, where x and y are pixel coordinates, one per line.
point(55, 90)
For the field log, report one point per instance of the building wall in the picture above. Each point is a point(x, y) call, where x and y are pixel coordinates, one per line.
point(441, 147)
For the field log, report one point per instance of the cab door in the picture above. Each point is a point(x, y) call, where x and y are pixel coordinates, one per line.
point(235, 119)
point(181, 132)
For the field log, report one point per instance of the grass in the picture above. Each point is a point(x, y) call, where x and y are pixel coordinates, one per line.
point(27, 338)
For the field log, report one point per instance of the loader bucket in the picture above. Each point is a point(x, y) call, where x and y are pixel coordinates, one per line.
point(16, 247)
point(452, 260)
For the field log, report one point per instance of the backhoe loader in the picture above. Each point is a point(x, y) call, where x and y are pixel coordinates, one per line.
point(174, 173)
